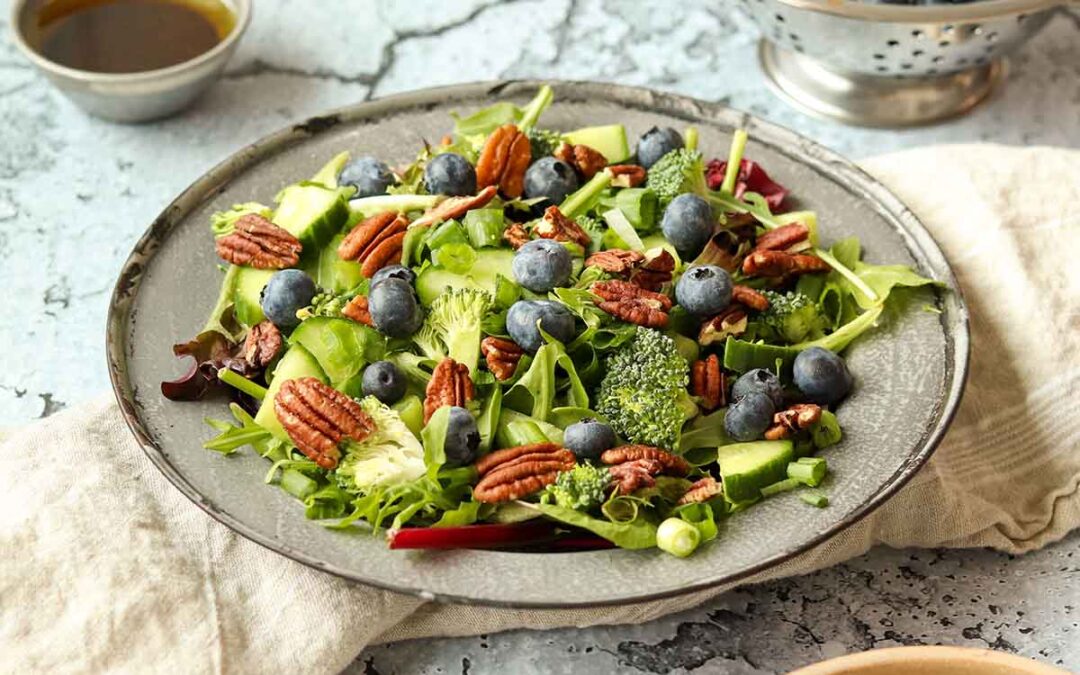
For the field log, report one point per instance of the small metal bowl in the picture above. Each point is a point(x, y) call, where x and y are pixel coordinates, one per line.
point(131, 97)
point(887, 64)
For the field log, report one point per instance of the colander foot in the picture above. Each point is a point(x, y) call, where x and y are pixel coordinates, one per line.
point(874, 101)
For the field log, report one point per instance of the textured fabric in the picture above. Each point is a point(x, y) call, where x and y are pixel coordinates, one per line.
point(107, 567)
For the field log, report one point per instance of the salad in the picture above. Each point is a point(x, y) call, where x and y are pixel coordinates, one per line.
point(534, 338)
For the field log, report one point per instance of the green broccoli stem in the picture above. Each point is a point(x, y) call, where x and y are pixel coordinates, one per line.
point(531, 114)
point(237, 381)
point(735, 154)
point(464, 346)
point(580, 201)
point(691, 139)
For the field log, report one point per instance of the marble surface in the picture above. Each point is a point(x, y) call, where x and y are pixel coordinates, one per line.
point(76, 192)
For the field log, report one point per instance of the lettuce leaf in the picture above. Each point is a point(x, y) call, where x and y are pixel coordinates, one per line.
point(636, 534)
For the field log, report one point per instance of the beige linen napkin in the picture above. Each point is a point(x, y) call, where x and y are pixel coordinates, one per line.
point(107, 567)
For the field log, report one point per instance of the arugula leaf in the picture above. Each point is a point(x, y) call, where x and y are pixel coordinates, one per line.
point(534, 393)
point(233, 437)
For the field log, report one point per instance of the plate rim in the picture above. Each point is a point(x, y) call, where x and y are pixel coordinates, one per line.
point(796, 146)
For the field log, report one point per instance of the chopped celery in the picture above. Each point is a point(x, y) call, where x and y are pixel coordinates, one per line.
point(814, 498)
point(734, 162)
point(297, 484)
point(238, 381)
point(808, 470)
point(780, 486)
point(485, 227)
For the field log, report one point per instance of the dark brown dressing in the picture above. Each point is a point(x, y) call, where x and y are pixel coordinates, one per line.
point(130, 36)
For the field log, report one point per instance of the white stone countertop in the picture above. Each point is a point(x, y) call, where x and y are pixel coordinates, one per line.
point(76, 192)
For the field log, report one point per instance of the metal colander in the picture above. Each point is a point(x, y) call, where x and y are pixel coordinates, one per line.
point(891, 64)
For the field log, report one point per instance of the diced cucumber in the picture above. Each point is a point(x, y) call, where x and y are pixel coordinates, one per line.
point(331, 272)
point(745, 468)
point(741, 356)
point(247, 294)
point(312, 213)
point(296, 363)
point(411, 411)
point(341, 347)
point(490, 264)
point(609, 140)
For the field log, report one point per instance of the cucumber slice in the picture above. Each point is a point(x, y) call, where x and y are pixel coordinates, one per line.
point(331, 272)
point(296, 363)
point(312, 213)
point(247, 294)
point(745, 468)
point(491, 263)
point(341, 347)
point(609, 140)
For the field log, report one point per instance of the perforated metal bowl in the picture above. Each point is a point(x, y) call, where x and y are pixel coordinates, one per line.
point(888, 65)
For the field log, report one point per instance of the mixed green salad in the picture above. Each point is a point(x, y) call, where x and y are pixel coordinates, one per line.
point(535, 338)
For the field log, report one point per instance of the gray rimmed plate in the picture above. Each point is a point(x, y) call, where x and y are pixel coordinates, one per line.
point(910, 372)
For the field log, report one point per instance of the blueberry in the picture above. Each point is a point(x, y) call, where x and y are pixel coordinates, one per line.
point(688, 223)
point(462, 437)
point(655, 143)
point(541, 265)
point(554, 318)
point(368, 175)
point(394, 308)
point(287, 292)
point(393, 272)
point(704, 290)
point(551, 178)
point(748, 418)
point(450, 174)
point(384, 381)
point(821, 375)
point(761, 381)
point(588, 438)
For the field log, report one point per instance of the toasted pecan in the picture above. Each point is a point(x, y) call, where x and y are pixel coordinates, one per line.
point(701, 490)
point(792, 420)
point(503, 160)
point(375, 242)
point(560, 228)
point(262, 344)
point(730, 322)
point(357, 310)
point(318, 418)
point(449, 385)
point(585, 160)
point(782, 237)
point(634, 475)
point(632, 304)
point(516, 235)
point(626, 175)
point(257, 242)
point(615, 261)
point(669, 463)
point(654, 272)
point(455, 207)
point(708, 382)
point(779, 263)
point(753, 299)
point(513, 473)
point(502, 356)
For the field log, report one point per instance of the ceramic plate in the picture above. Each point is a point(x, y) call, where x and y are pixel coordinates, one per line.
point(910, 372)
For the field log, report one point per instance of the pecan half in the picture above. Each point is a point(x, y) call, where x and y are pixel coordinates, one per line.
point(782, 237)
point(635, 474)
point(257, 242)
point(262, 344)
point(560, 228)
point(516, 235)
point(655, 271)
point(318, 417)
point(708, 382)
point(779, 263)
point(753, 299)
point(669, 463)
point(503, 160)
point(615, 261)
point(357, 310)
point(375, 242)
point(502, 356)
point(732, 321)
point(626, 175)
point(796, 418)
point(585, 160)
point(449, 385)
point(456, 207)
point(701, 491)
point(513, 473)
point(632, 304)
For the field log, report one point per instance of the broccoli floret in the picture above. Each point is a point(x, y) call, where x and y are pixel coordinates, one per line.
point(391, 455)
point(326, 303)
point(643, 390)
point(543, 142)
point(682, 171)
point(222, 222)
point(582, 488)
point(791, 317)
point(428, 339)
point(457, 318)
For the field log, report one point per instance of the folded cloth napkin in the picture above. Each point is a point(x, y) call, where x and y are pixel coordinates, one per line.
point(107, 567)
